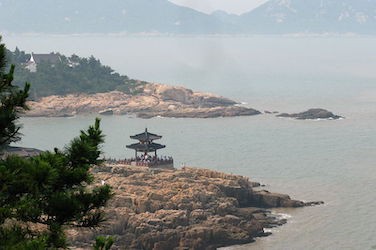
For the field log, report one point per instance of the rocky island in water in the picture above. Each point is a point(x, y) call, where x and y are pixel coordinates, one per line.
point(312, 114)
point(189, 208)
point(155, 100)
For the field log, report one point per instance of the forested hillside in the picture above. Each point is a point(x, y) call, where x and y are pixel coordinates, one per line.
point(72, 74)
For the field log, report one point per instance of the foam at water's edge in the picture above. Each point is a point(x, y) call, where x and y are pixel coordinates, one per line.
point(282, 216)
point(269, 230)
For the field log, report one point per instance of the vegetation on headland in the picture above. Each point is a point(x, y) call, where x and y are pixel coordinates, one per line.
point(71, 74)
point(40, 195)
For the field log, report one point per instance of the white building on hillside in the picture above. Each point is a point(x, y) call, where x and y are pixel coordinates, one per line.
point(36, 59)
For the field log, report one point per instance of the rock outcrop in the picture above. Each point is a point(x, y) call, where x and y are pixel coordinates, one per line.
point(19, 151)
point(312, 114)
point(182, 209)
point(155, 100)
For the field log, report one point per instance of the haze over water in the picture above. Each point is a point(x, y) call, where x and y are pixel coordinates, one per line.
point(333, 161)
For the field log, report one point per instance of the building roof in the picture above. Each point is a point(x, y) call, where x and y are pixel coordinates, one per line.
point(51, 58)
point(146, 136)
point(146, 147)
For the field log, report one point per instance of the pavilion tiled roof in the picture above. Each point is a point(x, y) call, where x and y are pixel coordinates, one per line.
point(146, 136)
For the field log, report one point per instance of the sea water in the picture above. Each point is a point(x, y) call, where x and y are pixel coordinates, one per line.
point(333, 161)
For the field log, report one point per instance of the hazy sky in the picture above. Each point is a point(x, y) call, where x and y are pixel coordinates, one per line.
point(231, 6)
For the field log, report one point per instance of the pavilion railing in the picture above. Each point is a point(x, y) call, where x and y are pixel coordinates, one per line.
point(143, 162)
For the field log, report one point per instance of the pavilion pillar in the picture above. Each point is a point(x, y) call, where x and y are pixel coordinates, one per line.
point(155, 152)
point(135, 155)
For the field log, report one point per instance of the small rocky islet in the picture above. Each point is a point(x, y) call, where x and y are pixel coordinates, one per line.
point(187, 208)
point(312, 114)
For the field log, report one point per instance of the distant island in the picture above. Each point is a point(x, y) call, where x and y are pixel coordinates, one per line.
point(312, 114)
point(144, 17)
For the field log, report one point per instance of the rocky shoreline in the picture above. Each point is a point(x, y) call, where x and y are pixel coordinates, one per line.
point(189, 208)
point(155, 100)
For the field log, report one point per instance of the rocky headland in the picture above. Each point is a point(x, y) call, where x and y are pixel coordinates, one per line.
point(154, 100)
point(189, 208)
point(312, 114)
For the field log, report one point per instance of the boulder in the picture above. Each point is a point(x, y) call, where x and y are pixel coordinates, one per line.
point(177, 94)
point(19, 151)
point(106, 112)
point(268, 200)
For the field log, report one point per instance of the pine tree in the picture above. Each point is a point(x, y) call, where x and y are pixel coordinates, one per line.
point(13, 102)
point(50, 189)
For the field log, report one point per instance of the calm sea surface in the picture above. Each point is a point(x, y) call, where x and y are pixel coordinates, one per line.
point(333, 161)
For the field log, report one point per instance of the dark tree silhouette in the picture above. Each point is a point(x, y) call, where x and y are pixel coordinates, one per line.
point(13, 101)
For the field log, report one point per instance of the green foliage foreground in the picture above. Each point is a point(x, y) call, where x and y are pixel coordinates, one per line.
point(42, 194)
point(51, 189)
point(13, 101)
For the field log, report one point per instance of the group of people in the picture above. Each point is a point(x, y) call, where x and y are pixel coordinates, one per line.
point(143, 160)
point(148, 159)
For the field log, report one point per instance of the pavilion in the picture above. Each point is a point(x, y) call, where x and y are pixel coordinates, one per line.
point(147, 145)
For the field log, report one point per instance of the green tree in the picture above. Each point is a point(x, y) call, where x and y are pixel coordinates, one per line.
point(51, 189)
point(13, 101)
